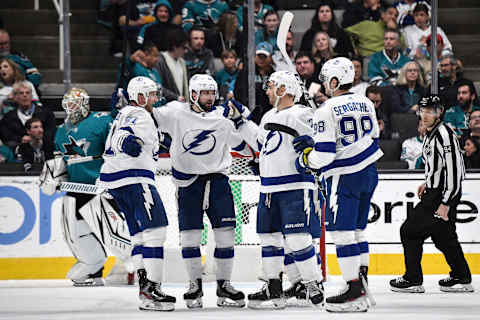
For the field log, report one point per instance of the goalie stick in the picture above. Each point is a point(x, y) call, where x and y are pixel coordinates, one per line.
point(323, 254)
point(283, 29)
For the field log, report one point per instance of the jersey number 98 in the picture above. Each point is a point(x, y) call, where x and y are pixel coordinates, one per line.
point(349, 128)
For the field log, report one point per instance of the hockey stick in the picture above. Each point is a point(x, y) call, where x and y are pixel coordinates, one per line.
point(323, 254)
point(76, 160)
point(80, 188)
point(283, 29)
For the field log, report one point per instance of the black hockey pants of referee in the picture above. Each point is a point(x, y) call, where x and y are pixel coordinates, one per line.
point(422, 224)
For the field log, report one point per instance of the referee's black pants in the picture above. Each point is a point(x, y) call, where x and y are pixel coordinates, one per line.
point(422, 224)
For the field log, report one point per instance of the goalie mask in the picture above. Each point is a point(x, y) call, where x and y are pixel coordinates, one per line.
point(286, 79)
point(76, 104)
point(141, 86)
point(339, 68)
point(202, 82)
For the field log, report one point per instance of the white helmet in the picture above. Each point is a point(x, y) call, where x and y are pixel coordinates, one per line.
point(76, 104)
point(201, 82)
point(141, 85)
point(340, 68)
point(288, 80)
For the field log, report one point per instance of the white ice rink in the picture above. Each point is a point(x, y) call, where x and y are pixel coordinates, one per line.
point(57, 299)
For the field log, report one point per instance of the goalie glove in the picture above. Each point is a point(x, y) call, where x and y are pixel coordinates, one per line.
point(54, 172)
point(301, 164)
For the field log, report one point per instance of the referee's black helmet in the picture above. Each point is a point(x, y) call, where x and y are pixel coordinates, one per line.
point(432, 101)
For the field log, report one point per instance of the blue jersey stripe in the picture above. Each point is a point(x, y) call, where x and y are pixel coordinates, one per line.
point(326, 147)
point(130, 173)
point(240, 147)
point(355, 159)
point(272, 181)
point(181, 175)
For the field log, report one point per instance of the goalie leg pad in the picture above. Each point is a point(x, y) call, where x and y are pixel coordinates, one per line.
point(348, 253)
point(190, 242)
point(152, 252)
point(304, 254)
point(224, 252)
point(272, 254)
point(82, 242)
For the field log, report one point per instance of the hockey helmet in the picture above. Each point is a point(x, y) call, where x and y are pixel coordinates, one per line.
point(201, 82)
point(340, 68)
point(285, 79)
point(143, 86)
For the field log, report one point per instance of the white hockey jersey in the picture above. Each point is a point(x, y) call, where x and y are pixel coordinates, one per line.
point(346, 135)
point(201, 142)
point(412, 150)
point(119, 168)
point(277, 155)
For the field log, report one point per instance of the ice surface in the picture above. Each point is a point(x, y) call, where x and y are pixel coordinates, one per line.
point(57, 299)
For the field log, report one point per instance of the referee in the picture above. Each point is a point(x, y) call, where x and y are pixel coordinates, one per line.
point(435, 215)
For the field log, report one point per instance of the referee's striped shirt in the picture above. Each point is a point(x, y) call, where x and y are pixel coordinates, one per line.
point(444, 168)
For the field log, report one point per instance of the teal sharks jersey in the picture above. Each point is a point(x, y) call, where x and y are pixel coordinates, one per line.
point(87, 138)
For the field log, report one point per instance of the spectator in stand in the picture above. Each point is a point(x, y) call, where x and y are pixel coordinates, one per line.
point(416, 35)
point(361, 10)
point(10, 73)
point(199, 59)
point(449, 79)
point(473, 127)
point(270, 31)
point(458, 116)
point(321, 50)
point(472, 153)
point(359, 86)
point(135, 23)
point(368, 36)
point(204, 13)
point(412, 148)
point(263, 70)
point(12, 126)
point(374, 93)
point(279, 62)
point(172, 68)
point(228, 75)
point(405, 11)
point(34, 149)
point(6, 154)
point(177, 6)
point(410, 87)
point(324, 20)
point(31, 73)
point(226, 36)
point(148, 68)
point(385, 65)
point(155, 32)
point(305, 65)
point(260, 12)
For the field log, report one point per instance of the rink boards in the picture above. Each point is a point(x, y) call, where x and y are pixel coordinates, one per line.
point(32, 245)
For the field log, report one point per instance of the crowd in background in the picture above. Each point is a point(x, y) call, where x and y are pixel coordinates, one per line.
point(169, 42)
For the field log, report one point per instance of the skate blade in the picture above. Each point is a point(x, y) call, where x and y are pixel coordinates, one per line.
point(228, 303)
point(458, 288)
point(358, 305)
point(97, 282)
point(298, 303)
point(156, 306)
point(268, 304)
point(194, 303)
point(413, 289)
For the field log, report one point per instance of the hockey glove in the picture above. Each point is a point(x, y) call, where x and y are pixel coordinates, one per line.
point(302, 142)
point(236, 112)
point(132, 146)
point(301, 164)
point(254, 166)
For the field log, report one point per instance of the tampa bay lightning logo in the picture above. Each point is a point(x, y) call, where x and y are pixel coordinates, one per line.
point(199, 142)
point(272, 142)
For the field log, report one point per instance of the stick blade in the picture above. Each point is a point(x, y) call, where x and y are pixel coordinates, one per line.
point(285, 24)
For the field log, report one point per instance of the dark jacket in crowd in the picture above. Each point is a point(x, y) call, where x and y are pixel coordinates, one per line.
point(28, 155)
point(448, 90)
point(12, 129)
point(356, 13)
point(156, 32)
point(199, 62)
point(169, 87)
point(409, 99)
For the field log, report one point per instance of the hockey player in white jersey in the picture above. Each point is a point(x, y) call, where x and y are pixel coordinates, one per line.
point(345, 149)
point(128, 175)
point(286, 196)
point(202, 139)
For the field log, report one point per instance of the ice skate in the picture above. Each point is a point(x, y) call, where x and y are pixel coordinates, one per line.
point(350, 299)
point(269, 297)
point(296, 295)
point(401, 284)
point(142, 283)
point(92, 280)
point(228, 296)
point(314, 292)
point(193, 297)
point(156, 300)
point(450, 284)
